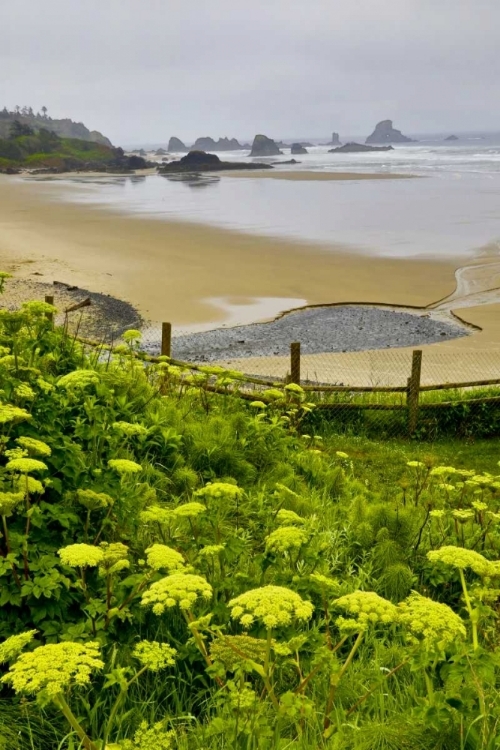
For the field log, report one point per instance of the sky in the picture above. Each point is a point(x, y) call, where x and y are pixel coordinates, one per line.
point(141, 71)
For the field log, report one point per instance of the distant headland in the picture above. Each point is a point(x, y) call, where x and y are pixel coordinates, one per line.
point(65, 128)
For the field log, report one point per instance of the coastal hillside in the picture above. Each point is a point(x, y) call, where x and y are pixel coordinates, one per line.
point(25, 148)
point(65, 127)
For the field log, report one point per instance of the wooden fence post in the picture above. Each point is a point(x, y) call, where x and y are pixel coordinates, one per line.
point(49, 299)
point(166, 339)
point(295, 363)
point(413, 391)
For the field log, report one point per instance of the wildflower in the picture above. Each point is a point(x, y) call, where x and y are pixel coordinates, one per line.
point(294, 388)
point(156, 514)
point(29, 486)
point(433, 623)
point(93, 500)
point(273, 394)
point(189, 510)
point(243, 699)
point(130, 429)
point(461, 558)
point(234, 650)
point(161, 557)
point(124, 466)
point(415, 464)
point(12, 647)
point(54, 667)
point(147, 737)
point(326, 584)
point(132, 335)
point(447, 487)
point(34, 447)
point(366, 607)
point(462, 515)
point(154, 655)
point(114, 558)
point(8, 501)
point(15, 453)
point(341, 454)
point(272, 605)
point(81, 555)
point(78, 380)
point(288, 517)
point(220, 491)
point(9, 413)
point(285, 539)
point(440, 471)
point(211, 550)
point(183, 589)
point(38, 308)
point(24, 392)
point(44, 386)
point(479, 505)
point(258, 405)
point(25, 465)
point(437, 513)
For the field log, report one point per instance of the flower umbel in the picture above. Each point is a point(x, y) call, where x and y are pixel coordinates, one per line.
point(183, 589)
point(285, 539)
point(161, 557)
point(272, 605)
point(154, 655)
point(365, 607)
point(81, 555)
point(433, 623)
point(12, 647)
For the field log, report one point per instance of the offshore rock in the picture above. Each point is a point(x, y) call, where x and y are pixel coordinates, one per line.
point(223, 144)
point(452, 138)
point(385, 133)
point(335, 140)
point(199, 161)
point(264, 146)
point(297, 148)
point(176, 145)
point(354, 148)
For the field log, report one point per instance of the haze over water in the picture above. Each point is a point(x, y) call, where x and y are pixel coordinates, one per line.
point(452, 210)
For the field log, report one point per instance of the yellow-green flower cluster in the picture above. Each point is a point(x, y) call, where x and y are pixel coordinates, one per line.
point(324, 583)
point(114, 558)
point(24, 392)
point(130, 429)
point(286, 517)
point(81, 555)
point(34, 447)
point(234, 650)
point(132, 335)
point(147, 737)
point(54, 667)
point(462, 514)
point(274, 606)
point(183, 589)
point(274, 394)
point(9, 413)
point(156, 514)
point(460, 558)
point(189, 510)
point(93, 500)
point(433, 623)
point(341, 454)
point(29, 485)
point(244, 699)
point(78, 380)
point(12, 647)
point(441, 471)
point(285, 539)
point(220, 491)
point(211, 550)
point(25, 465)
point(124, 466)
point(154, 655)
point(161, 557)
point(365, 608)
point(8, 501)
point(415, 464)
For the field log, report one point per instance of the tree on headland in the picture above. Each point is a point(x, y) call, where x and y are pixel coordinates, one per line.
point(44, 110)
point(17, 129)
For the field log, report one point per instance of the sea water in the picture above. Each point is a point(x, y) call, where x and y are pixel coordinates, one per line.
point(450, 209)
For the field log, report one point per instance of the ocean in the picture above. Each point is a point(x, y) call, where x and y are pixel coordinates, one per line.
point(451, 209)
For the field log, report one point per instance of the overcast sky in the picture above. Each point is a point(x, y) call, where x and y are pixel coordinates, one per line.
point(143, 70)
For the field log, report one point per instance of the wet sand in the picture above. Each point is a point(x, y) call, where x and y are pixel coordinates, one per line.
point(313, 176)
point(168, 268)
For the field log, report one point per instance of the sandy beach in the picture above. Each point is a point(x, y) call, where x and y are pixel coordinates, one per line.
point(167, 268)
point(310, 176)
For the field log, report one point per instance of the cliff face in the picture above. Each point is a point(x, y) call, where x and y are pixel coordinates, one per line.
point(264, 146)
point(385, 133)
point(65, 128)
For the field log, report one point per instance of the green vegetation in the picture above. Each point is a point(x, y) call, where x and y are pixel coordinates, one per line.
point(26, 148)
point(185, 569)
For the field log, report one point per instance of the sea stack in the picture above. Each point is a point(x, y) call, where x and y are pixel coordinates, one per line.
point(176, 145)
point(335, 140)
point(385, 133)
point(264, 146)
point(223, 144)
point(298, 148)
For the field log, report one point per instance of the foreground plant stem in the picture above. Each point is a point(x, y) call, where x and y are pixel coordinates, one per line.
point(335, 684)
point(73, 721)
point(468, 605)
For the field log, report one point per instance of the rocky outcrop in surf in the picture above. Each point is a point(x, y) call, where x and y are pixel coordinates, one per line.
point(452, 138)
point(354, 148)
point(223, 144)
point(297, 148)
point(264, 146)
point(385, 133)
point(176, 145)
point(199, 161)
